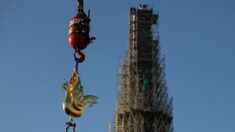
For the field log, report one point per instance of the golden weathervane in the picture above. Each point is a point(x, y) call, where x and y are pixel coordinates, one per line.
point(75, 102)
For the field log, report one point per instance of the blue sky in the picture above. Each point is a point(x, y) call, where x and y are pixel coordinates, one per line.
point(197, 37)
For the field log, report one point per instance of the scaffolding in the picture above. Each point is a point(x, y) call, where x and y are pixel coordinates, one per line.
point(142, 102)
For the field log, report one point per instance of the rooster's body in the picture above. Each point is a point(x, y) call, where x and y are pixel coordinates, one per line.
point(75, 102)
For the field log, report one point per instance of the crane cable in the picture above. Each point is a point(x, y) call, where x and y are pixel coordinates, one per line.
point(80, 4)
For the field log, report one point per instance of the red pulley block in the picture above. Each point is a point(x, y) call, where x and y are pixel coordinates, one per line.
point(79, 32)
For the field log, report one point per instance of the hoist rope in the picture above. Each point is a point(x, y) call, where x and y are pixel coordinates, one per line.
point(80, 4)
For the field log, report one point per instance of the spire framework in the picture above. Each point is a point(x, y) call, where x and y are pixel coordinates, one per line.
point(142, 103)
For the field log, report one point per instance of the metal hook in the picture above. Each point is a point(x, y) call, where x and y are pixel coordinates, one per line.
point(80, 54)
point(78, 60)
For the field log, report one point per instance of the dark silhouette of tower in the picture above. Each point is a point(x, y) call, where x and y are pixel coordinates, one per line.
point(142, 103)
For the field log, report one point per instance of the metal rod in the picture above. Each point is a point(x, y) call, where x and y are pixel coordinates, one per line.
point(74, 128)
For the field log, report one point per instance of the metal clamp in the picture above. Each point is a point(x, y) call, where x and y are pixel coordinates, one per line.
point(70, 124)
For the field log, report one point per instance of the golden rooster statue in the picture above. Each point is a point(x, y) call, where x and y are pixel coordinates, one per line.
point(75, 102)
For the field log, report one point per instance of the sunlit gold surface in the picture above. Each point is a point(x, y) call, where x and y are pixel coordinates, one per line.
point(75, 102)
